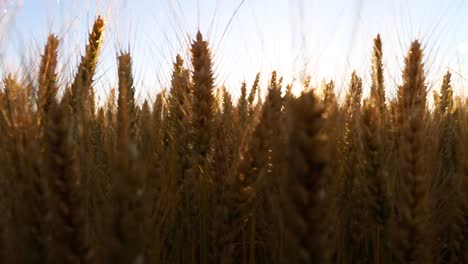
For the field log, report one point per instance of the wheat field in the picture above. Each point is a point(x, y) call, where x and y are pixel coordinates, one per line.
point(195, 177)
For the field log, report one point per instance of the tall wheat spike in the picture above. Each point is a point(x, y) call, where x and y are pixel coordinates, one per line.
point(308, 162)
point(203, 95)
point(128, 189)
point(449, 184)
point(222, 163)
point(378, 82)
point(444, 101)
point(203, 108)
point(26, 211)
point(354, 95)
point(376, 174)
point(254, 90)
point(414, 239)
point(48, 75)
point(260, 173)
point(125, 63)
point(159, 111)
point(446, 179)
point(84, 77)
point(179, 107)
point(14, 96)
point(177, 161)
point(352, 198)
point(243, 107)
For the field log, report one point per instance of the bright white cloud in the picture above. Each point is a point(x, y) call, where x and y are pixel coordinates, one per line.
point(463, 48)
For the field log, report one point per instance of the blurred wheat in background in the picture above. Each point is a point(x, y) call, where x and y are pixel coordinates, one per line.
point(195, 176)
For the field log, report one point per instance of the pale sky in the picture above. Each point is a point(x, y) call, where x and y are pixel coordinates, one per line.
point(327, 39)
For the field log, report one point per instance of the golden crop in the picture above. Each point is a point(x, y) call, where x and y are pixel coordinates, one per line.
point(196, 178)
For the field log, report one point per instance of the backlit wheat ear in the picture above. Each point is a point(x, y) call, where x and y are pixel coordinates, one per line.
point(203, 95)
point(260, 169)
point(124, 103)
point(412, 94)
point(10, 86)
point(126, 79)
point(242, 106)
point(111, 106)
point(447, 211)
point(445, 103)
point(203, 111)
point(159, 107)
point(179, 99)
point(329, 96)
point(378, 82)
point(414, 240)
point(178, 122)
point(18, 103)
point(84, 77)
point(308, 161)
point(254, 90)
point(352, 199)
point(449, 182)
point(376, 176)
point(48, 75)
point(224, 150)
point(177, 162)
point(127, 230)
point(354, 95)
